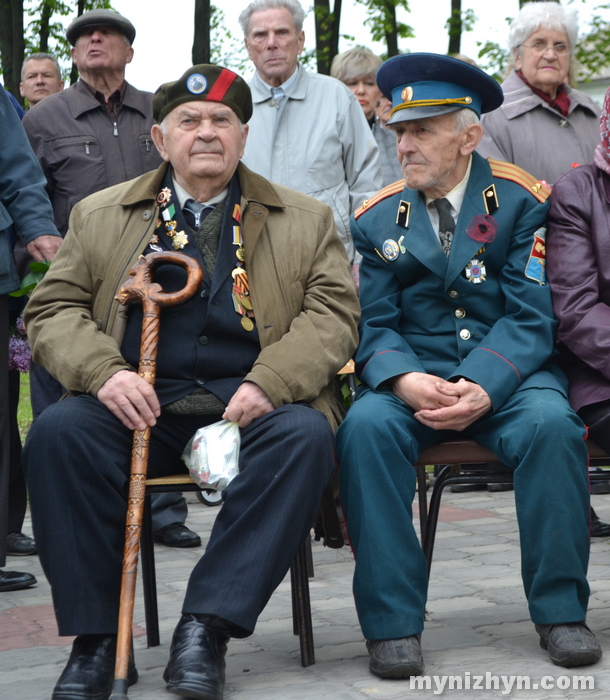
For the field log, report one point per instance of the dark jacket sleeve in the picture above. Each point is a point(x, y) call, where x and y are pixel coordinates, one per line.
point(23, 200)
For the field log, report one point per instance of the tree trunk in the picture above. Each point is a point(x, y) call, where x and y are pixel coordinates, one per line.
point(12, 44)
point(391, 32)
point(74, 70)
point(45, 19)
point(201, 35)
point(455, 27)
point(327, 33)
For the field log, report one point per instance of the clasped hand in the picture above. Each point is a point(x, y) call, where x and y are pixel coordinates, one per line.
point(440, 404)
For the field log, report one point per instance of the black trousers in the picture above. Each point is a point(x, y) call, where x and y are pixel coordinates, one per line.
point(596, 417)
point(77, 459)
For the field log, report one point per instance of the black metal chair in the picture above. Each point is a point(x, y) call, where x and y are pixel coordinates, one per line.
point(299, 569)
point(453, 454)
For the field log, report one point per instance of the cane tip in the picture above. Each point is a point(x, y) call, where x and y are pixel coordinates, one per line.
point(119, 689)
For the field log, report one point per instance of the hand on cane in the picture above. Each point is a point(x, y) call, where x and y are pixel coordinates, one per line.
point(132, 399)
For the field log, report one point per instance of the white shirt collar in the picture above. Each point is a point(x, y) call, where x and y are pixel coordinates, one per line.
point(183, 195)
point(457, 194)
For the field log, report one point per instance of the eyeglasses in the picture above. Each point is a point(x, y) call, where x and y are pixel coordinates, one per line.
point(540, 46)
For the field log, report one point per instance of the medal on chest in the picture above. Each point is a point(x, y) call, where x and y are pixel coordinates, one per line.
point(168, 212)
point(241, 287)
point(475, 271)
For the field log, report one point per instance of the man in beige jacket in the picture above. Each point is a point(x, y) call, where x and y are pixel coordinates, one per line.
point(265, 358)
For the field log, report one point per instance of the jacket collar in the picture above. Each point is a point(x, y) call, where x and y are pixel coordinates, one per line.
point(422, 242)
point(81, 100)
point(519, 99)
point(261, 92)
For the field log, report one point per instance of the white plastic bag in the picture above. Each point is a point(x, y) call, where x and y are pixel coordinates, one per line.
point(212, 455)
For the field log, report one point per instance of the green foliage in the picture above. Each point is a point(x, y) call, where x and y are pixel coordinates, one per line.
point(593, 50)
point(380, 19)
point(37, 272)
point(494, 58)
point(226, 49)
point(44, 17)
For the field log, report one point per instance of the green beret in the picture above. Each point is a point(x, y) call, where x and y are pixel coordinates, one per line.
point(205, 82)
point(100, 18)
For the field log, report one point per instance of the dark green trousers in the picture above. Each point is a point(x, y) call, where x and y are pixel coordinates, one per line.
point(536, 433)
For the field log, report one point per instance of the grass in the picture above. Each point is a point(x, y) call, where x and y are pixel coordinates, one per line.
point(24, 410)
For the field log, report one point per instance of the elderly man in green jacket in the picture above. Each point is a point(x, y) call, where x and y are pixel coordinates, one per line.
point(265, 358)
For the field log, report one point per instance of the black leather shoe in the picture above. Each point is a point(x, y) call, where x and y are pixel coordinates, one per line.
point(20, 545)
point(571, 644)
point(597, 487)
point(196, 667)
point(599, 528)
point(15, 580)
point(177, 535)
point(89, 673)
point(396, 658)
point(466, 488)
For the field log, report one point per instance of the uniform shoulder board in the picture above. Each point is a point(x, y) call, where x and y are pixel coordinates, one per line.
point(509, 171)
point(386, 192)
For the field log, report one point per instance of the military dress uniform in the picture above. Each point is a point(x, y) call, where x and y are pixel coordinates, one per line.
point(482, 313)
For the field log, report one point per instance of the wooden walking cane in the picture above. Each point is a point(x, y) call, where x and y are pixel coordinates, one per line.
point(141, 288)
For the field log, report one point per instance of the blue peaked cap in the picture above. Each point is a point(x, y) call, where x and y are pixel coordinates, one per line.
point(424, 85)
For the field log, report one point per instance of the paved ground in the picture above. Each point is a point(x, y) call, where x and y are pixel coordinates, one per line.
point(478, 621)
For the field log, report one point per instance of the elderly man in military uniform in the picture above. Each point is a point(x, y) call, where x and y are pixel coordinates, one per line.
point(264, 355)
point(457, 338)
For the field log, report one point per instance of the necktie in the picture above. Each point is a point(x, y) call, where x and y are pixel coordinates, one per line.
point(446, 224)
point(195, 213)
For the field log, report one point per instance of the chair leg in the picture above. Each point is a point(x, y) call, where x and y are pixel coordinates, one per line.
point(301, 605)
point(433, 511)
point(308, 552)
point(149, 578)
point(423, 502)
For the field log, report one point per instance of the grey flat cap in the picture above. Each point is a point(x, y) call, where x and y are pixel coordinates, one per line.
point(97, 18)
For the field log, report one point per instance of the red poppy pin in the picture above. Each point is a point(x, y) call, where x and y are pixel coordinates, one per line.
point(482, 228)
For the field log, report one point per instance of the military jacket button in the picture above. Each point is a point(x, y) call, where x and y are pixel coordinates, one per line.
point(460, 313)
point(203, 340)
point(464, 334)
point(200, 381)
point(147, 215)
point(453, 294)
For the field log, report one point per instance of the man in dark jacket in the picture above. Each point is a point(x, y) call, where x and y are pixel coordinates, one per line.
point(23, 202)
point(93, 135)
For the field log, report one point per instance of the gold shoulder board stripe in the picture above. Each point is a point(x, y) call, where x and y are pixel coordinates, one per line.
point(386, 192)
point(510, 171)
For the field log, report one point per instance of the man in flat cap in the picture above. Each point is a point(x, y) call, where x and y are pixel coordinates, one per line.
point(93, 135)
point(457, 339)
point(265, 358)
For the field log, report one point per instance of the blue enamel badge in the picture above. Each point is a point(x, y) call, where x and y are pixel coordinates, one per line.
point(390, 249)
point(536, 265)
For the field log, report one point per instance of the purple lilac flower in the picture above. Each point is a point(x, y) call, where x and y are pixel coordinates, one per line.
point(19, 354)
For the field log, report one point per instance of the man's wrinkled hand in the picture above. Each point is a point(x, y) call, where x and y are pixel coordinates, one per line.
point(132, 399)
point(44, 247)
point(420, 390)
point(248, 403)
point(472, 403)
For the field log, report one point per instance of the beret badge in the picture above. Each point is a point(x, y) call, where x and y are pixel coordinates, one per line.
point(196, 83)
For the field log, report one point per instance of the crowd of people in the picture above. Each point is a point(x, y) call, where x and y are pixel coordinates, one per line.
point(397, 212)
